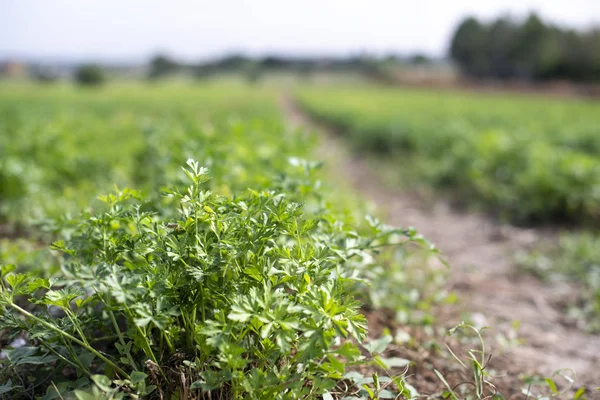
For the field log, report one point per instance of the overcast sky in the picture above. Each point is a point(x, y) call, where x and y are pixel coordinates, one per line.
point(191, 30)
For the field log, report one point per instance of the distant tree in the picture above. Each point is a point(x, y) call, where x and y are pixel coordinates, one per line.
point(595, 50)
point(468, 47)
point(90, 75)
point(579, 56)
point(527, 47)
point(161, 66)
point(499, 44)
point(275, 62)
point(231, 63)
point(530, 50)
point(550, 54)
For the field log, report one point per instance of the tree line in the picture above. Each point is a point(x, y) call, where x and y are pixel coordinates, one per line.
point(253, 68)
point(528, 49)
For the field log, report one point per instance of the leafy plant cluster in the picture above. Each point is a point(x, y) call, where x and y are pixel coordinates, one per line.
point(241, 297)
point(530, 160)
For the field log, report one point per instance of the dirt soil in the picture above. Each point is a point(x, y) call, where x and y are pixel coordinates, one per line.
point(491, 291)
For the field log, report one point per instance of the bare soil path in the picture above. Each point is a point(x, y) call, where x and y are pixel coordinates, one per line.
point(481, 253)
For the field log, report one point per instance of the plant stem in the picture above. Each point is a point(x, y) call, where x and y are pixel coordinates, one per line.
point(77, 361)
point(73, 319)
point(70, 337)
point(119, 334)
point(71, 363)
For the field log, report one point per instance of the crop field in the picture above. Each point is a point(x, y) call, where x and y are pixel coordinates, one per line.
point(528, 159)
point(181, 241)
point(61, 147)
point(195, 252)
point(384, 203)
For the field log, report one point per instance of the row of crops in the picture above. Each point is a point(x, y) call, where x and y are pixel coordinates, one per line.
point(210, 260)
point(529, 159)
point(525, 159)
point(61, 147)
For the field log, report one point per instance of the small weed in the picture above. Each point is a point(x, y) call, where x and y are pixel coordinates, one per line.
point(479, 386)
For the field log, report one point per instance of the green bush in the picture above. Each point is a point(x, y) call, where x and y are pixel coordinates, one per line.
point(241, 297)
point(90, 75)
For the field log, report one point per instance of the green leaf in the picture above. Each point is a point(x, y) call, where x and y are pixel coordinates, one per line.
point(450, 392)
point(86, 358)
point(60, 245)
point(123, 349)
point(386, 394)
point(358, 378)
point(5, 269)
point(16, 282)
point(7, 387)
point(211, 380)
point(103, 382)
point(199, 384)
point(38, 283)
point(28, 355)
point(552, 385)
point(336, 364)
point(148, 390)
point(20, 353)
point(54, 392)
point(395, 362)
point(238, 313)
point(348, 350)
point(378, 345)
point(137, 377)
point(82, 302)
point(81, 395)
point(254, 273)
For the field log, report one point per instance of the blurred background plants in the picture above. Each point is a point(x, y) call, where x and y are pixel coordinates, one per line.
point(575, 259)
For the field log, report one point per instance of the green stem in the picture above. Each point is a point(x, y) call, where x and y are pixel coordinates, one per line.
point(101, 338)
point(202, 308)
point(71, 338)
point(169, 344)
point(188, 326)
point(144, 336)
point(77, 361)
point(71, 363)
point(120, 335)
point(73, 318)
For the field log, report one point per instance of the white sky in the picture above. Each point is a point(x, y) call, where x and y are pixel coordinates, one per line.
point(190, 30)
